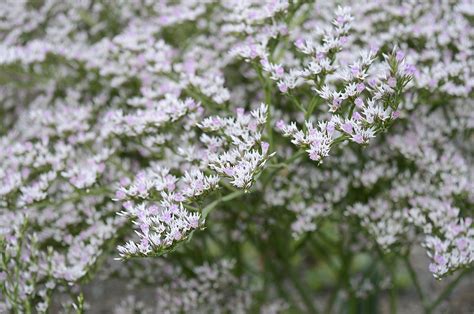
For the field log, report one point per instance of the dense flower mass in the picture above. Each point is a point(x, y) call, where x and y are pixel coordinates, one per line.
point(223, 152)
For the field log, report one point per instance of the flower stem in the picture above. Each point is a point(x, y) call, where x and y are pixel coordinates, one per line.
point(447, 291)
point(416, 283)
point(206, 210)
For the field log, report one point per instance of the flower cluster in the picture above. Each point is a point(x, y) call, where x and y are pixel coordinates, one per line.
point(26, 272)
point(291, 137)
point(364, 106)
point(155, 199)
point(210, 288)
point(247, 154)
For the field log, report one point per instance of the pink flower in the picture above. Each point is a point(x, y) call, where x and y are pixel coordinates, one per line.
point(374, 48)
point(280, 124)
point(440, 260)
point(358, 138)
point(461, 244)
point(299, 43)
point(347, 127)
point(282, 87)
point(392, 82)
point(128, 205)
point(265, 147)
point(145, 228)
point(141, 187)
point(166, 216)
point(399, 56)
point(355, 70)
point(330, 128)
point(410, 69)
point(174, 208)
point(153, 210)
point(120, 195)
point(279, 71)
point(229, 171)
point(193, 221)
point(313, 155)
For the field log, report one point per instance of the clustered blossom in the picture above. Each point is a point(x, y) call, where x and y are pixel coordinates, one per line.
point(296, 194)
point(428, 197)
point(210, 288)
point(385, 226)
point(247, 153)
point(158, 201)
point(213, 287)
point(322, 57)
point(278, 133)
point(453, 247)
point(155, 200)
point(363, 107)
point(368, 100)
point(25, 271)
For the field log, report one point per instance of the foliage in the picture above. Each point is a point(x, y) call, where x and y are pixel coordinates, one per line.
point(237, 156)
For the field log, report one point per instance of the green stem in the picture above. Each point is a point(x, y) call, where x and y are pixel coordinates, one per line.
point(206, 210)
point(351, 110)
point(345, 273)
point(228, 186)
point(267, 89)
point(269, 126)
point(391, 268)
point(393, 296)
point(79, 306)
point(303, 292)
point(311, 107)
point(447, 291)
point(332, 298)
point(416, 283)
point(285, 163)
point(275, 273)
point(338, 140)
point(322, 251)
point(297, 103)
point(276, 167)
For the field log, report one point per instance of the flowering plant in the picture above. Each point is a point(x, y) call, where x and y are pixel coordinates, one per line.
point(235, 156)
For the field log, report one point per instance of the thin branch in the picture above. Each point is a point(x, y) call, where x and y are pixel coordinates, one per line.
point(447, 291)
point(416, 283)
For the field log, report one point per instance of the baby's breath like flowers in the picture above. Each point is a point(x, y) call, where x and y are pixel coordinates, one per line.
point(230, 153)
